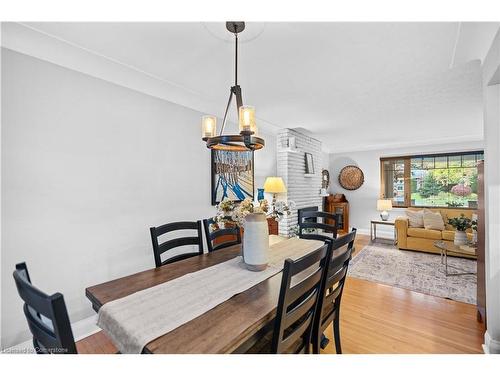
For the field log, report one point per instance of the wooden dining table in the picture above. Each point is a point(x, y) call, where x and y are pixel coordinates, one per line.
point(231, 327)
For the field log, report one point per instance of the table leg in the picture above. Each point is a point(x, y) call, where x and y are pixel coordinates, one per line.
point(395, 236)
point(371, 232)
point(374, 231)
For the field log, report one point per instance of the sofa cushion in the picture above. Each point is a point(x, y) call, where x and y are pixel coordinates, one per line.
point(415, 218)
point(430, 234)
point(433, 220)
point(448, 235)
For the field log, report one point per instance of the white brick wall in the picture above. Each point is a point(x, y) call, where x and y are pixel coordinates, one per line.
point(304, 191)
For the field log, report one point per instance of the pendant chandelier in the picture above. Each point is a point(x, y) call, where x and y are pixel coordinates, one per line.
point(247, 139)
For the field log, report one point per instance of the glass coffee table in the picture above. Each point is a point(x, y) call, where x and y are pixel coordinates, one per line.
point(447, 248)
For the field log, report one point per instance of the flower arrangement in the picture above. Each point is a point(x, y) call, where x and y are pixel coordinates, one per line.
point(225, 206)
point(461, 223)
point(245, 208)
point(229, 212)
point(280, 209)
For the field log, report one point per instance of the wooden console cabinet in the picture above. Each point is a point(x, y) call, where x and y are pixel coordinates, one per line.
point(338, 204)
point(273, 226)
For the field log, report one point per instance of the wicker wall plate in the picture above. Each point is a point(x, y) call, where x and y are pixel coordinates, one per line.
point(351, 177)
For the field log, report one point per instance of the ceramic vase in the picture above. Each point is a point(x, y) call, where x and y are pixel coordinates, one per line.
point(256, 242)
point(460, 238)
point(260, 194)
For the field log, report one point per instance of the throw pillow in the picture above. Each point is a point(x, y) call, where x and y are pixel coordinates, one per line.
point(415, 218)
point(433, 220)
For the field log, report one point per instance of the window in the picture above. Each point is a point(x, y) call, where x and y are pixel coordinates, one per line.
point(444, 180)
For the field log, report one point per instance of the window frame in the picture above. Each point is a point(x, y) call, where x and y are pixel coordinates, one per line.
point(407, 175)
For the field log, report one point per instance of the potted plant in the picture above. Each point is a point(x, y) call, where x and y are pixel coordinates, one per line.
point(461, 224)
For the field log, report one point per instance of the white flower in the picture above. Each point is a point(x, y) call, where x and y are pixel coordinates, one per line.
point(280, 205)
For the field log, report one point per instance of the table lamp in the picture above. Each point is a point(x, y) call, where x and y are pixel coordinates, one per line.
point(274, 185)
point(384, 205)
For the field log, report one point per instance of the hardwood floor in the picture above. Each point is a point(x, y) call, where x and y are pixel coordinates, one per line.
point(360, 242)
point(381, 319)
point(377, 318)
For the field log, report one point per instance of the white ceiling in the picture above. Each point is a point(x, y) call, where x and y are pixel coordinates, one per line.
point(354, 85)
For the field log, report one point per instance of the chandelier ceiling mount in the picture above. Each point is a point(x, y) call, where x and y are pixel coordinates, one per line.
point(247, 139)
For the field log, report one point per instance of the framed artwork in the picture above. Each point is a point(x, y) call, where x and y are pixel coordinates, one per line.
point(232, 175)
point(309, 163)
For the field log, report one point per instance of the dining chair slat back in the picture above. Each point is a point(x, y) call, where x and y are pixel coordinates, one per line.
point(47, 316)
point(308, 220)
point(329, 305)
point(220, 238)
point(300, 291)
point(160, 248)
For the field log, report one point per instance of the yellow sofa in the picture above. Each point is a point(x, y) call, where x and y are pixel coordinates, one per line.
point(421, 239)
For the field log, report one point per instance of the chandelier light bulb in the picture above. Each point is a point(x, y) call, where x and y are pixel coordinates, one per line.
point(247, 118)
point(208, 126)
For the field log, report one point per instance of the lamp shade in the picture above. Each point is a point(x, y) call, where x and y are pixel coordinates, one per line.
point(274, 185)
point(384, 205)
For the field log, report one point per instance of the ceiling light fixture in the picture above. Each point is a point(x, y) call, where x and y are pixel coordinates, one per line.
point(247, 139)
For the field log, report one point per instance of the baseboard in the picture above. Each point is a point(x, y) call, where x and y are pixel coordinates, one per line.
point(491, 346)
point(389, 235)
point(81, 329)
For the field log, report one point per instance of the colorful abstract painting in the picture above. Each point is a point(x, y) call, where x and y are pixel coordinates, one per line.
point(232, 175)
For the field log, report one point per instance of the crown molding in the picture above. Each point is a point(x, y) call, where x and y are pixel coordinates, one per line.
point(30, 41)
point(470, 138)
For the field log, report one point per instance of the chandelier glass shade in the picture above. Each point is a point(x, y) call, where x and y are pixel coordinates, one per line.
point(247, 139)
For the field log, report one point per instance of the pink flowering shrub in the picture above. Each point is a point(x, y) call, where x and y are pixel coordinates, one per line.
point(461, 190)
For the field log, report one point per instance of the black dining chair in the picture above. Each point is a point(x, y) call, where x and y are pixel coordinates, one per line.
point(220, 238)
point(329, 305)
point(48, 319)
point(301, 289)
point(308, 220)
point(160, 248)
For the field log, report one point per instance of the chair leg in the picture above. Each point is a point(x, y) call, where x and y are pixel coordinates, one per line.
point(336, 334)
point(315, 344)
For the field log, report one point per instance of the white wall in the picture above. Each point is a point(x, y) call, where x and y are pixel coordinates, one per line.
point(362, 202)
point(491, 92)
point(87, 168)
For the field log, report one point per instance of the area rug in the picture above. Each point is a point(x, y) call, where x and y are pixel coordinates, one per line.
point(420, 272)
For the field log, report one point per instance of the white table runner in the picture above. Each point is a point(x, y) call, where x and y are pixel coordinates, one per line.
point(135, 320)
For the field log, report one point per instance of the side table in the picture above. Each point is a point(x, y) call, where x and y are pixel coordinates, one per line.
point(373, 229)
